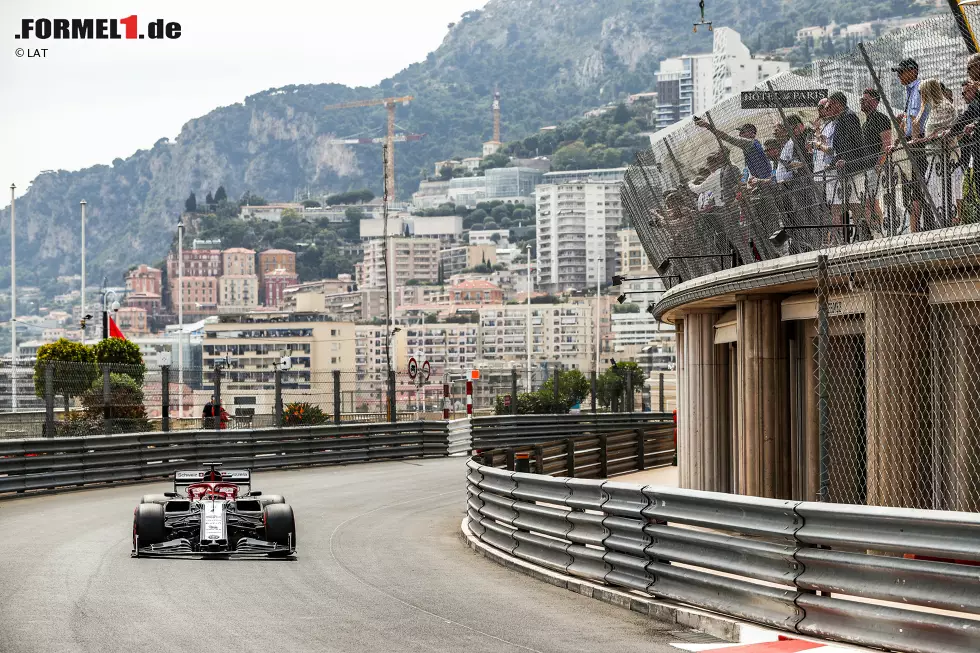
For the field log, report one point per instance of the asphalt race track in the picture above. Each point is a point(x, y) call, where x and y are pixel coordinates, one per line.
point(381, 567)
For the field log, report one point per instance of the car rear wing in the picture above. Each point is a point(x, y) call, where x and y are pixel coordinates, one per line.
point(183, 478)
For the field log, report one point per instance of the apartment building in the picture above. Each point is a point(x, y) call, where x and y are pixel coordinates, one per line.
point(237, 261)
point(250, 345)
point(563, 332)
point(577, 225)
point(197, 263)
point(237, 292)
point(144, 279)
point(418, 295)
point(408, 258)
point(131, 320)
point(276, 259)
point(476, 292)
point(274, 284)
point(200, 296)
point(456, 259)
point(238, 286)
point(448, 347)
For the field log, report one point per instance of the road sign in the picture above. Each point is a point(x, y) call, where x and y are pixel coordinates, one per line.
point(507, 401)
point(426, 371)
point(474, 375)
point(413, 368)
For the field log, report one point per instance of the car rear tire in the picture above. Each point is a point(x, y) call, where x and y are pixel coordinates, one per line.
point(149, 525)
point(280, 527)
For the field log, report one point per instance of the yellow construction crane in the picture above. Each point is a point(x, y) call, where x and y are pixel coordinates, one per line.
point(389, 103)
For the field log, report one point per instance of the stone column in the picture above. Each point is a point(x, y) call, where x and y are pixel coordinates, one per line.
point(897, 369)
point(703, 438)
point(763, 372)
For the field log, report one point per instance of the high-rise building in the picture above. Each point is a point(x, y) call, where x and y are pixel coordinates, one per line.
point(734, 69)
point(577, 223)
point(684, 88)
point(690, 84)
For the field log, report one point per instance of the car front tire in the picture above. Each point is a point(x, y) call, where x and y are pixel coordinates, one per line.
point(280, 527)
point(148, 525)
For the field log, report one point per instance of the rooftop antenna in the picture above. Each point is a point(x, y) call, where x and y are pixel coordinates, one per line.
point(702, 21)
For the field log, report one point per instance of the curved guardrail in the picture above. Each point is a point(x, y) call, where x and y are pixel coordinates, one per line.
point(892, 578)
point(51, 463)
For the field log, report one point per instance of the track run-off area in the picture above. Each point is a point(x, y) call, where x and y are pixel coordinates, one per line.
point(381, 567)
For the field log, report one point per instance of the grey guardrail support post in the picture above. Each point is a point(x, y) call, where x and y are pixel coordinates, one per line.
point(629, 392)
point(277, 378)
point(106, 394)
point(570, 457)
point(49, 399)
point(216, 419)
point(513, 391)
point(603, 456)
point(641, 449)
point(662, 392)
point(337, 403)
point(165, 398)
point(594, 382)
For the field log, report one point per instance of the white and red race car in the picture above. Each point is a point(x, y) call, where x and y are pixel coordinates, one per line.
point(213, 512)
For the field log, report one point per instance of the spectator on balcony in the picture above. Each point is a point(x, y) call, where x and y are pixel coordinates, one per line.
point(845, 185)
point(937, 114)
point(877, 132)
point(755, 155)
point(708, 187)
point(965, 130)
point(908, 75)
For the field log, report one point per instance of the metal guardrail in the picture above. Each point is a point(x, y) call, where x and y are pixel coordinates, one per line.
point(516, 430)
point(50, 463)
point(892, 578)
point(645, 446)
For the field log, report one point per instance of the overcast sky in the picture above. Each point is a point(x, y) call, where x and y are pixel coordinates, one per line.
point(89, 102)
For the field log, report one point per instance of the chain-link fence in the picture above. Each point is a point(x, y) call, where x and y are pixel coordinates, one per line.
point(70, 399)
point(868, 161)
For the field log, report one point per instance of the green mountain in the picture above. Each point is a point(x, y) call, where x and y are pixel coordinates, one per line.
point(550, 60)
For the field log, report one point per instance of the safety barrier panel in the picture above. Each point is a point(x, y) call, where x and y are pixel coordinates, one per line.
point(515, 430)
point(892, 578)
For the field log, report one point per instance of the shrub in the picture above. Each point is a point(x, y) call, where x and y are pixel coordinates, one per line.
point(303, 414)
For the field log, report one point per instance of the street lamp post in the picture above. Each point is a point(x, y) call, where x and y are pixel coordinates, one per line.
point(13, 303)
point(180, 318)
point(530, 289)
point(82, 204)
point(598, 310)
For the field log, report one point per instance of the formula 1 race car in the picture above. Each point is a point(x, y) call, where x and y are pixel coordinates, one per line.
point(213, 513)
